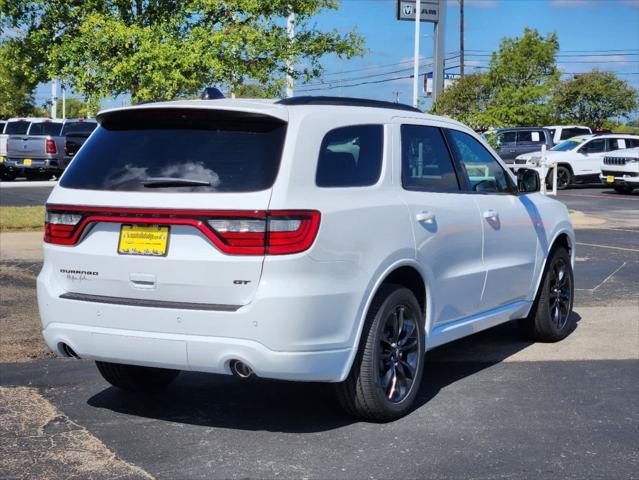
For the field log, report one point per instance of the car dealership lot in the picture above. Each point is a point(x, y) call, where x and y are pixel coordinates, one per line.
point(491, 406)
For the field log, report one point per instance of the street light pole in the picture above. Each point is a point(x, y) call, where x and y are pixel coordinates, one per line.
point(418, 15)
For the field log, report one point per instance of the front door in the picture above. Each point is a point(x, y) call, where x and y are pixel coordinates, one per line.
point(508, 222)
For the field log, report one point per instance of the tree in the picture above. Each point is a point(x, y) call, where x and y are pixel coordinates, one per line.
point(75, 108)
point(251, 90)
point(16, 83)
point(591, 98)
point(464, 100)
point(514, 91)
point(164, 49)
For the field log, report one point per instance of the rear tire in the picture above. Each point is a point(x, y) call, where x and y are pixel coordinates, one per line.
point(387, 371)
point(625, 189)
point(550, 318)
point(133, 378)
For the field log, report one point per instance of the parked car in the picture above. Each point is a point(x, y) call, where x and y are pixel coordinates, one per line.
point(579, 158)
point(75, 133)
point(13, 126)
point(511, 142)
point(621, 169)
point(311, 239)
point(564, 132)
point(39, 153)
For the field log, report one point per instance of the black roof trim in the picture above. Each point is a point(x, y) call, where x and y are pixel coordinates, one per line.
point(346, 101)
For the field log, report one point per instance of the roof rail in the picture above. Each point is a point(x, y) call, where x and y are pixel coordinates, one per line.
point(345, 101)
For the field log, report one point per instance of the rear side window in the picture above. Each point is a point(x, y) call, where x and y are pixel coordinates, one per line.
point(426, 164)
point(71, 128)
point(351, 157)
point(165, 149)
point(19, 127)
point(507, 138)
point(533, 136)
point(45, 128)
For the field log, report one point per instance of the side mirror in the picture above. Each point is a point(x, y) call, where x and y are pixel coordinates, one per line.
point(528, 180)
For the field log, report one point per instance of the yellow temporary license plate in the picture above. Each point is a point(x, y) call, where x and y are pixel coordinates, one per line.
point(27, 162)
point(610, 179)
point(150, 240)
point(1, 159)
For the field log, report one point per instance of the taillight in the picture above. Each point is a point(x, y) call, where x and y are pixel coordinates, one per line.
point(50, 147)
point(278, 232)
point(59, 227)
point(271, 232)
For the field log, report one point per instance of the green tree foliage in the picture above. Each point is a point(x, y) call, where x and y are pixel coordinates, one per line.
point(251, 90)
point(163, 49)
point(514, 91)
point(591, 98)
point(75, 108)
point(16, 83)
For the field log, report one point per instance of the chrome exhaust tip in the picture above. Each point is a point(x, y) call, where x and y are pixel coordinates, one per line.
point(241, 369)
point(68, 351)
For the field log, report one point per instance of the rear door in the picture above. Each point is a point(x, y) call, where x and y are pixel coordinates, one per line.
point(173, 203)
point(446, 224)
point(508, 222)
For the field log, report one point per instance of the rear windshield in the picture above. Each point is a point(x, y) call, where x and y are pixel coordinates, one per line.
point(71, 128)
point(18, 127)
point(164, 149)
point(571, 132)
point(45, 128)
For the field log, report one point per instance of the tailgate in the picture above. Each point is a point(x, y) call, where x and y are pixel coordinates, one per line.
point(167, 206)
point(26, 147)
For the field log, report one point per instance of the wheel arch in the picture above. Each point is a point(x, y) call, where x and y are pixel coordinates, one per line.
point(405, 272)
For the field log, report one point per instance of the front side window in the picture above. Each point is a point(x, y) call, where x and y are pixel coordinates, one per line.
point(351, 157)
point(426, 163)
point(594, 146)
point(483, 171)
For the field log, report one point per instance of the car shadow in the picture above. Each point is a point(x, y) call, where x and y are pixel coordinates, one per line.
point(223, 401)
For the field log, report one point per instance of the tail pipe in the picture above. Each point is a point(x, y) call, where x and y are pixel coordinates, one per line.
point(241, 369)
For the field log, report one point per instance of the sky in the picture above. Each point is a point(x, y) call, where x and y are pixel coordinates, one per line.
point(600, 34)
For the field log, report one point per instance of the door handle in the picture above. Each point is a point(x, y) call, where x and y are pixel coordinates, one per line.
point(425, 217)
point(491, 214)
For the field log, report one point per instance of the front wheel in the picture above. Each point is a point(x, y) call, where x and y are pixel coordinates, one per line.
point(550, 318)
point(626, 189)
point(385, 376)
point(564, 178)
point(134, 378)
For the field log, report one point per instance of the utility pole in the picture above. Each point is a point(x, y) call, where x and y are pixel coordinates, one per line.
point(461, 38)
point(397, 94)
point(290, 33)
point(64, 101)
point(54, 98)
point(418, 18)
point(438, 57)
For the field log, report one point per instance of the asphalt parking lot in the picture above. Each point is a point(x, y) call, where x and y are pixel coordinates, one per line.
point(491, 406)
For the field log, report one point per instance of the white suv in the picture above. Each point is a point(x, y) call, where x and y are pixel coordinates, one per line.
point(621, 170)
point(309, 239)
point(579, 158)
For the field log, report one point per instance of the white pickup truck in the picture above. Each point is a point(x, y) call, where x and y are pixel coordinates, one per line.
point(621, 170)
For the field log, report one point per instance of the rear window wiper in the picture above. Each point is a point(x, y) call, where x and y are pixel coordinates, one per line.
point(162, 182)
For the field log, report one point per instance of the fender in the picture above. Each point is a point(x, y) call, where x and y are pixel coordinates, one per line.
point(370, 293)
point(564, 227)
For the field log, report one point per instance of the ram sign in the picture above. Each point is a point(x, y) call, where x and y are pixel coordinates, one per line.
point(406, 10)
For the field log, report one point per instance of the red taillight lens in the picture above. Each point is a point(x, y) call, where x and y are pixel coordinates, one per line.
point(50, 147)
point(277, 232)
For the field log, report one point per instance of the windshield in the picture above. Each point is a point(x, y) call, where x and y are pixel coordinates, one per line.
point(568, 145)
point(207, 150)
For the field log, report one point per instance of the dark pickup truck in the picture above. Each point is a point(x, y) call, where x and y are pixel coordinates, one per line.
point(515, 141)
point(75, 134)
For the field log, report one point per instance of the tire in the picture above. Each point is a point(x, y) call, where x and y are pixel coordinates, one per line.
point(550, 318)
point(384, 359)
point(564, 178)
point(626, 189)
point(133, 378)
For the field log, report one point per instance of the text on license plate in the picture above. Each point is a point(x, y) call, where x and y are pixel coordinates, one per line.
point(143, 240)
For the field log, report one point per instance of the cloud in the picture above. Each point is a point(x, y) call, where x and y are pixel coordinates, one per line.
point(631, 3)
point(573, 3)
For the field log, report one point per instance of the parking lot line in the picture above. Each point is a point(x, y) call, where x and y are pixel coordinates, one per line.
point(609, 246)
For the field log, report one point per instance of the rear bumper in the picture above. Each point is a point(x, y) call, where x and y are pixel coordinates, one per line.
point(193, 352)
point(37, 165)
point(290, 331)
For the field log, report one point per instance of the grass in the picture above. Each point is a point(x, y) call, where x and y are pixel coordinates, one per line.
point(13, 219)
